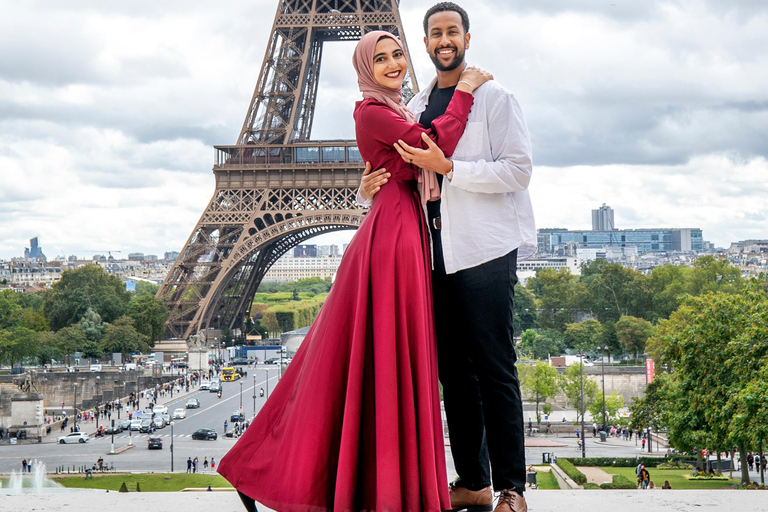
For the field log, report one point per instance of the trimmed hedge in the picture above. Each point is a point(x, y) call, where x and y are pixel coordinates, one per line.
point(589, 486)
point(619, 482)
point(570, 470)
point(629, 462)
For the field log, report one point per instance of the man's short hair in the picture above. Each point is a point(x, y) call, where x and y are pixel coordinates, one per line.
point(446, 6)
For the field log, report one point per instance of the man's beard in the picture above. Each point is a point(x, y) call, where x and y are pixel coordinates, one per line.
point(455, 63)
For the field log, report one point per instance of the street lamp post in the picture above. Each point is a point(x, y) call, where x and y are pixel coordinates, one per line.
point(602, 367)
point(75, 406)
point(112, 451)
point(581, 383)
point(172, 447)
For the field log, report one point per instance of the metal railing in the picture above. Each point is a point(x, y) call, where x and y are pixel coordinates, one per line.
point(299, 155)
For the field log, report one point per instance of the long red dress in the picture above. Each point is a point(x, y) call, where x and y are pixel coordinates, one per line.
point(354, 424)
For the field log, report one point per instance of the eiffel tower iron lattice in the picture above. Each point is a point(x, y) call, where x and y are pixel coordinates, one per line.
point(275, 188)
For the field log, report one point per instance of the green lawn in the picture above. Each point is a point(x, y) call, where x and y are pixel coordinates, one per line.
point(675, 477)
point(149, 482)
point(546, 481)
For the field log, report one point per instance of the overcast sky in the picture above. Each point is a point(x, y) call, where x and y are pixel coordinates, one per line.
point(109, 111)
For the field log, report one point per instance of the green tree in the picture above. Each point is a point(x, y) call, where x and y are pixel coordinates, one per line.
point(10, 310)
point(613, 404)
point(572, 385)
point(122, 337)
point(539, 383)
point(47, 350)
point(92, 326)
point(149, 314)
point(524, 315)
point(614, 290)
point(558, 297)
point(145, 288)
point(541, 345)
point(583, 335)
point(633, 332)
point(69, 340)
point(18, 345)
point(88, 287)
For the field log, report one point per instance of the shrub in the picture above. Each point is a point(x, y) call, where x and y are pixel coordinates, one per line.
point(590, 486)
point(628, 462)
point(138, 487)
point(619, 482)
point(570, 470)
point(123, 488)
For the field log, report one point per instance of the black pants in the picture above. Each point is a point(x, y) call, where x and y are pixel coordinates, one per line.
point(476, 363)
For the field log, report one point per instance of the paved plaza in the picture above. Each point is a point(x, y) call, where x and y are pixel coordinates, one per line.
point(538, 501)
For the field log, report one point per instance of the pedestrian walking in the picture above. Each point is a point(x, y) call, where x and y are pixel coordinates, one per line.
point(194, 465)
point(189, 464)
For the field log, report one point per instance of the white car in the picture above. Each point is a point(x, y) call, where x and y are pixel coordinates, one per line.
point(160, 409)
point(179, 414)
point(74, 437)
point(205, 384)
point(135, 424)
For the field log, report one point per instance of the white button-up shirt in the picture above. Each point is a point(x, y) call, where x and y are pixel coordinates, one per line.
point(485, 209)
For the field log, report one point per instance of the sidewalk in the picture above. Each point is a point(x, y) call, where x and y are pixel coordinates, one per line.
point(538, 501)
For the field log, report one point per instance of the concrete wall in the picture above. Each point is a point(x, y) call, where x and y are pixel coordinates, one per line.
point(628, 381)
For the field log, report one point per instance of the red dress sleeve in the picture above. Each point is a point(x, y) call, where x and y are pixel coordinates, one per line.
point(386, 126)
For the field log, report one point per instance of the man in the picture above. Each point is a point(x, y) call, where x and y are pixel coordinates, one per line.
point(481, 225)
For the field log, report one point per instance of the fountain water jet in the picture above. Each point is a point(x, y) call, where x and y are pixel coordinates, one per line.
point(36, 483)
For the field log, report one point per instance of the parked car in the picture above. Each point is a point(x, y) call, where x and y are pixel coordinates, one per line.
point(205, 384)
point(193, 403)
point(74, 437)
point(179, 414)
point(205, 434)
point(237, 416)
point(154, 443)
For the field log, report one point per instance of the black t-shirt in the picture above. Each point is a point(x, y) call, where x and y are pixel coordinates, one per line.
point(439, 99)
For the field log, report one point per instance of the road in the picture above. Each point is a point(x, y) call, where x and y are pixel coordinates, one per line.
point(211, 414)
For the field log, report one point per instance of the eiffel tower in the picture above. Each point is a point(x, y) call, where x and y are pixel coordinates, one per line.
point(275, 188)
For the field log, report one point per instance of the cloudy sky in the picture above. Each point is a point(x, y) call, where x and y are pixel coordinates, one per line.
point(109, 111)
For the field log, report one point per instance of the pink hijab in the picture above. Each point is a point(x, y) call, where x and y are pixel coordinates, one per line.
point(362, 59)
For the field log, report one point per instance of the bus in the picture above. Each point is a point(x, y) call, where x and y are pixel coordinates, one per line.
point(229, 374)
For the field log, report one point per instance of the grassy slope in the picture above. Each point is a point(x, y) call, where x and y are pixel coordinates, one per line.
point(149, 482)
point(675, 477)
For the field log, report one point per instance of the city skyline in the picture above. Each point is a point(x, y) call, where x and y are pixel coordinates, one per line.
point(657, 109)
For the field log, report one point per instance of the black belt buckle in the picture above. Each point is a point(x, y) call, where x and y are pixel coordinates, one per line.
point(437, 223)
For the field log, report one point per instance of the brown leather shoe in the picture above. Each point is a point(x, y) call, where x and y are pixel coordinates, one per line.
point(471, 501)
point(510, 501)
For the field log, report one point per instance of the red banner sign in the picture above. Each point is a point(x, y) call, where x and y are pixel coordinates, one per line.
point(649, 371)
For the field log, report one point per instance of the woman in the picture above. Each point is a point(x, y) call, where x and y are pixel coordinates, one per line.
point(354, 423)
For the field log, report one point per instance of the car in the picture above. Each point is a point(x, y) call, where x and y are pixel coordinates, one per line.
point(160, 409)
point(166, 418)
point(125, 424)
point(135, 425)
point(237, 416)
point(113, 430)
point(147, 426)
point(158, 422)
point(179, 414)
point(205, 434)
point(274, 360)
point(215, 387)
point(239, 361)
point(154, 443)
point(74, 437)
point(193, 403)
point(205, 384)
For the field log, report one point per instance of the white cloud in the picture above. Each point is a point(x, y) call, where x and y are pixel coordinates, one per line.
point(108, 111)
